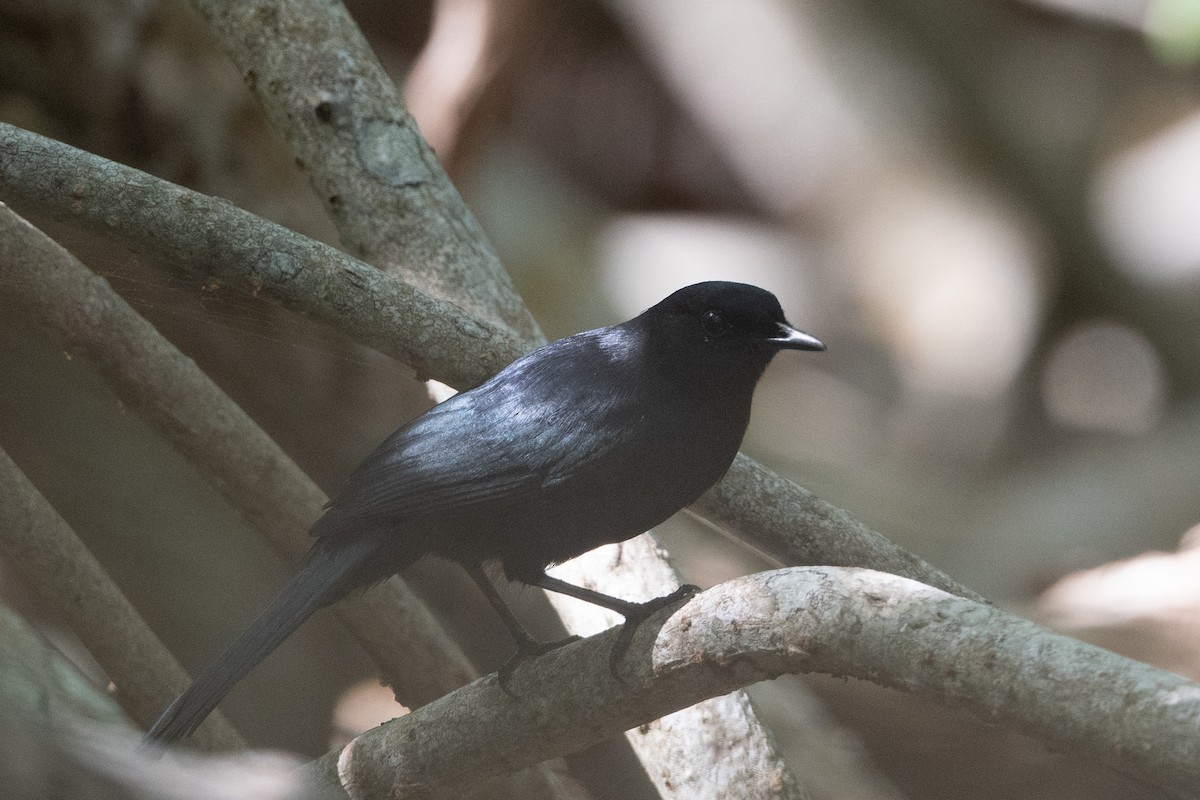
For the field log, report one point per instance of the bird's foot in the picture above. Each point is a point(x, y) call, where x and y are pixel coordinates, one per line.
point(639, 613)
point(527, 649)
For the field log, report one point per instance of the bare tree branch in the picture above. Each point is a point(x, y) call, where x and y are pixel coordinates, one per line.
point(211, 237)
point(323, 88)
point(845, 622)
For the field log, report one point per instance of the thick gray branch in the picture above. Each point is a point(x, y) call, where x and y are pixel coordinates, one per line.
point(839, 621)
point(323, 88)
point(210, 237)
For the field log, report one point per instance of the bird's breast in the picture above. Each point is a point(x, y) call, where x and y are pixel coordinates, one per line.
point(622, 471)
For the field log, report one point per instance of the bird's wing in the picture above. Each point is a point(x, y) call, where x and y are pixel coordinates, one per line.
point(534, 426)
point(446, 461)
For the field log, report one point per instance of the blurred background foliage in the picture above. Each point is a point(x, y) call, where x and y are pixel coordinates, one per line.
point(990, 211)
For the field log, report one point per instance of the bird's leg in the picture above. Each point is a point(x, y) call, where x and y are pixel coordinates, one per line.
point(634, 613)
point(527, 646)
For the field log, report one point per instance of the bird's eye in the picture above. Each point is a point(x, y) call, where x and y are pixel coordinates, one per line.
point(714, 324)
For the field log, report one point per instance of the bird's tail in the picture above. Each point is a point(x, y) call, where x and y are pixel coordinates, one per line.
point(324, 576)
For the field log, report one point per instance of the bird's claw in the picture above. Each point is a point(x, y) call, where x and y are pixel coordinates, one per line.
point(526, 650)
point(637, 614)
point(687, 590)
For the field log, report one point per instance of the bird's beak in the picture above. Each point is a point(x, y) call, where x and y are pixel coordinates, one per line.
point(791, 339)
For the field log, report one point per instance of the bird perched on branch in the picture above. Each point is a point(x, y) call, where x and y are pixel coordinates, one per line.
point(589, 440)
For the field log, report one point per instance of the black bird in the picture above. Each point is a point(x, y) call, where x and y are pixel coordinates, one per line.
point(589, 440)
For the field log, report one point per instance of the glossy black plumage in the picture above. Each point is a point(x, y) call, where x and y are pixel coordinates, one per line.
point(589, 440)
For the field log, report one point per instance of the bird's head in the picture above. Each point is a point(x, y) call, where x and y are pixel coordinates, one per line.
point(725, 322)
